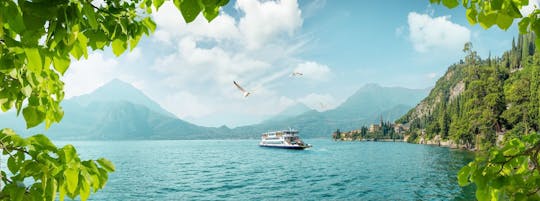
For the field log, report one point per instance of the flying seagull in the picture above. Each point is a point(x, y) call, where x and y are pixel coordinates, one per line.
point(323, 106)
point(246, 93)
point(294, 74)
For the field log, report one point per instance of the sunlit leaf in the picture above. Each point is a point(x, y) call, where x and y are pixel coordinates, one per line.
point(33, 116)
point(450, 3)
point(35, 63)
point(190, 9)
point(71, 176)
point(119, 46)
point(106, 164)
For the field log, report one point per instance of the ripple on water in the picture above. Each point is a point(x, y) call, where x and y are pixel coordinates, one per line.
point(240, 170)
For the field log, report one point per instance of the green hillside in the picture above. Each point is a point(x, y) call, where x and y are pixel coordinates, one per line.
point(480, 101)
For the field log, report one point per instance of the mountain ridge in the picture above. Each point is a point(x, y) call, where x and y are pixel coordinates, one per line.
point(107, 115)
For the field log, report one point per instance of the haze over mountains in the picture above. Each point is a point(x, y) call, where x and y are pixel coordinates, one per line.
point(118, 111)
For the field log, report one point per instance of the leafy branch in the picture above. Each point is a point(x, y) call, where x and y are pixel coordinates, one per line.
point(38, 40)
point(509, 172)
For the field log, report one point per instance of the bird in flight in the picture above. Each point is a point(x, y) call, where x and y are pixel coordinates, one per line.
point(323, 106)
point(295, 74)
point(245, 93)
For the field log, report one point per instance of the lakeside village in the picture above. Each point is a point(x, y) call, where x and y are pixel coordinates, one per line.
point(383, 131)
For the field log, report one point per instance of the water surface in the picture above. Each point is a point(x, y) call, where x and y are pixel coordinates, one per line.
point(240, 170)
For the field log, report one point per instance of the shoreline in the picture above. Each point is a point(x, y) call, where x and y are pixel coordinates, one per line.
point(370, 140)
point(437, 141)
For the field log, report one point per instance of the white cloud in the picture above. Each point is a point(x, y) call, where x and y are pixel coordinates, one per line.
point(313, 70)
point(134, 55)
point(277, 17)
point(257, 49)
point(533, 4)
point(439, 33)
point(193, 65)
point(84, 76)
point(320, 102)
point(207, 57)
point(171, 25)
point(186, 105)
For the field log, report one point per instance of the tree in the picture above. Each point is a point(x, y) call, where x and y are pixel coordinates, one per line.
point(38, 40)
point(511, 171)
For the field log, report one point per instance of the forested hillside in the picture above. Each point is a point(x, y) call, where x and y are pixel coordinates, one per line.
point(479, 100)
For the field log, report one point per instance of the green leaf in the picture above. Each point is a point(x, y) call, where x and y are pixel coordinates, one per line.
point(487, 20)
point(471, 15)
point(211, 13)
point(106, 164)
point(133, 42)
point(463, 176)
point(51, 188)
point(61, 64)
point(76, 51)
point(42, 141)
point(524, 25)
point(69, 153)
point(149, 23)
point(62, 191)
point(90, 15)
point(71, 175)
point(504, 21)
point(17, 193)
point(84, 189)
point(483, 195)
point(83, 44)
point(537, 40)
point(496, 4)
point(190, 9)
point(450, 3)
point(35, 64)
point(27, 90)
point(15, 20)
point(513, 11)
point(158, 3)
point(12, 165)
point(33, 116)
point(119, 46)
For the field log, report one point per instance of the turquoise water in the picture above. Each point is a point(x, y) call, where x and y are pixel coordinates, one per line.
point(240, 170)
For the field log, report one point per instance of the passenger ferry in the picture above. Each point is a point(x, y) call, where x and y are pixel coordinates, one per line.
point(287, 139)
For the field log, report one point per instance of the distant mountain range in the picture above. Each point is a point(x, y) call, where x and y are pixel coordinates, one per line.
point(119, 111)
point(366, 106)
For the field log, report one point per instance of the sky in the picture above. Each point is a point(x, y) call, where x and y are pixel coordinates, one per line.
point(338, 46)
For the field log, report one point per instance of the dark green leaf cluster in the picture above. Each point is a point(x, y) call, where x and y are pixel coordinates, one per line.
point(52, 169)
point(498, 12)
point(511, 172)
point(491, 12)
point(38, 39)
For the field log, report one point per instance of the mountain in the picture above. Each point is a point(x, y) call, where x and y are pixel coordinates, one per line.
point(479, 101)
point(119, 111)
point(291, 111)
point(115, 111)
point(117, 90)
point(366, 106)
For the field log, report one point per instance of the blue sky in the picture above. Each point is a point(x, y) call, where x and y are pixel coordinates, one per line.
point(338, 45)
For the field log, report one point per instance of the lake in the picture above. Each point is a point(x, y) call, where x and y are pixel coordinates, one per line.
point(240, 170)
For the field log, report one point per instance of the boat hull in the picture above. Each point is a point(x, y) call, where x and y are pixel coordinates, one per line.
point(284, 147)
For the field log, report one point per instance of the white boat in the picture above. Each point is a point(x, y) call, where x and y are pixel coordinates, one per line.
point(287, 139)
